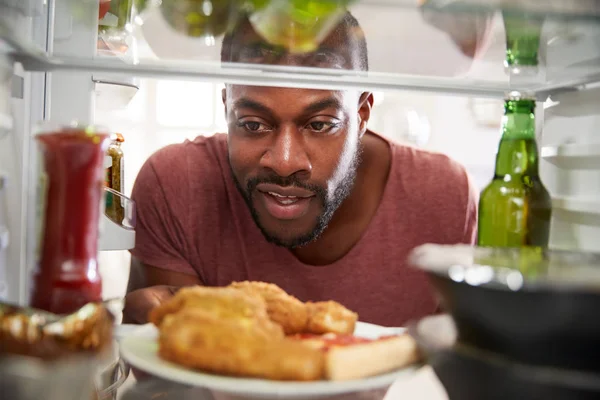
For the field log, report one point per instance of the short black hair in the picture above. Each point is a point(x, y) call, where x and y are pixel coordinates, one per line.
point(349, 25)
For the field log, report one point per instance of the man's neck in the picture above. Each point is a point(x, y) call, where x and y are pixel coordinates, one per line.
point(352, 218)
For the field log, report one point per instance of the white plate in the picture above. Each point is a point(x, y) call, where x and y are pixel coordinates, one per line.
point(139, 348)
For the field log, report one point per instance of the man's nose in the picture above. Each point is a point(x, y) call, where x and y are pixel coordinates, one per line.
point(287, 153)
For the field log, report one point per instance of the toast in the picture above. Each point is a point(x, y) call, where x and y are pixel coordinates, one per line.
point(350, 357)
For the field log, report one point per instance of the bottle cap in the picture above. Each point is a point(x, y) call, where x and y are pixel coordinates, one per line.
point(519, 95)
point(119, 138)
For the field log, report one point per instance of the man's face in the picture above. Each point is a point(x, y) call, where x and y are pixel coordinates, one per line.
point(294, 152)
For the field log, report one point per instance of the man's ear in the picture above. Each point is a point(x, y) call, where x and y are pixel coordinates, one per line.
point(365, 104)
point(224, 99)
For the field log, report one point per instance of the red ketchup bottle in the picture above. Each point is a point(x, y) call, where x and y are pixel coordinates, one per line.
point(66, 276)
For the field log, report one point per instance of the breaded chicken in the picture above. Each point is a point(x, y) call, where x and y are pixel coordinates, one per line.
point(224, 303)
point(330, 316)
point(284, 309)
point(201, 340)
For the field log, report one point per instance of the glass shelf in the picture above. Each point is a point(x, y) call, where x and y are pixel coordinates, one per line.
point(561, 9)
point(409, 48)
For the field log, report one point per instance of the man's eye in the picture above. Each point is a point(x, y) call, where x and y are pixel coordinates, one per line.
point(326, 59)
point(256, 54)
point(251, 53)
point(253, 126)
point(321, 126)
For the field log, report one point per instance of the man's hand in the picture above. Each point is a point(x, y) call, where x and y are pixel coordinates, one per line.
point(138, 303)
point(148, 287)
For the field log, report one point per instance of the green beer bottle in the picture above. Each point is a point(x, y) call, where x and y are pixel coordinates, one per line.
point(523, 34)
point(515, 208)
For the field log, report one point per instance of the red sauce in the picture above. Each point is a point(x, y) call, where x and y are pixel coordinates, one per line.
point(345, 340)
point(330, 339)
point(67, 277)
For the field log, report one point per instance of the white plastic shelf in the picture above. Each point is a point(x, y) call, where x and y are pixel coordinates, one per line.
point(582, 205)
point(6, 122)
point(573, 156)
point(405, 49)
point(115, 237)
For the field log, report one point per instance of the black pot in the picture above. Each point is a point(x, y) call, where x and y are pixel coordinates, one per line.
point(471, 374)
point(535, 307)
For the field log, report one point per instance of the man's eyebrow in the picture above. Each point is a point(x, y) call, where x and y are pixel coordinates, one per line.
point(321, 105)
point(239, 47)
point(245, 102)
point(258, 44)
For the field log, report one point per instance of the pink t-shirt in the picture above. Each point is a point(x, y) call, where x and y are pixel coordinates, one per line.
point(192, 219)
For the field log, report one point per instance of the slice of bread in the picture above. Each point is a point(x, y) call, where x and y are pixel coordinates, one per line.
point(350, 357)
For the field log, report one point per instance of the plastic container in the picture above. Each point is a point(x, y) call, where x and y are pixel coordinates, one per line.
point(469, 373)
point(110, 380)
point(536, 307)
point(27, 378)
point(126, 218)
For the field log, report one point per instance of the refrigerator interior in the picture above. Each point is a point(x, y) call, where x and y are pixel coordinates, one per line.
point(427, 92)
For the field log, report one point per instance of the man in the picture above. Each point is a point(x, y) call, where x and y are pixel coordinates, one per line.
point(299, 193)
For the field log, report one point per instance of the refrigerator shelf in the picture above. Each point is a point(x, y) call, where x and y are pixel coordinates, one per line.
point(118, 222)
point(578, 9)
point(301, 77)
point(582, 205)
point(6, 123)
point(115, 236)
point(409, 49)
point(573, 156)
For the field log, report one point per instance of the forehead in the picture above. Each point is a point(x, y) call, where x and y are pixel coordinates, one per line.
point(342, 41)
point(283, 100)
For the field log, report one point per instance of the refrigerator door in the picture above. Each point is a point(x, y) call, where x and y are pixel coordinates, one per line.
point(23, 104)
point(570, 148)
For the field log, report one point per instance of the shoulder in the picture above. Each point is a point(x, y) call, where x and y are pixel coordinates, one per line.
point(202, 150)
point(429, 167)
point(436, 182)
point(201, 157)
point(177, 170)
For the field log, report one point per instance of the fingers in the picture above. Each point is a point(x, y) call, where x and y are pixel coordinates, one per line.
point(139, 302)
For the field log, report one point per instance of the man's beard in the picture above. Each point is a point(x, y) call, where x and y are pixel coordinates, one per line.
point(330, 202)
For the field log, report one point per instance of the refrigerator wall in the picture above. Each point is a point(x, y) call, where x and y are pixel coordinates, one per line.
point(570, 148)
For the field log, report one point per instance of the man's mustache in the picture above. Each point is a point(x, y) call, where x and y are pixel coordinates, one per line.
point(291, 180)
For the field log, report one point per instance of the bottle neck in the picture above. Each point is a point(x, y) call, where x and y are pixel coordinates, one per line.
point(517, 152)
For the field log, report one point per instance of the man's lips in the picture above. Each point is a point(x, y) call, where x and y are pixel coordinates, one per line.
point(285, 202)
point(284, 191)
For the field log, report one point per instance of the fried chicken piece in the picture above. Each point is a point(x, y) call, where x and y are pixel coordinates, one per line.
point(224, 303)
point(284, 309)
point(330, 317)
point(201, 340)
